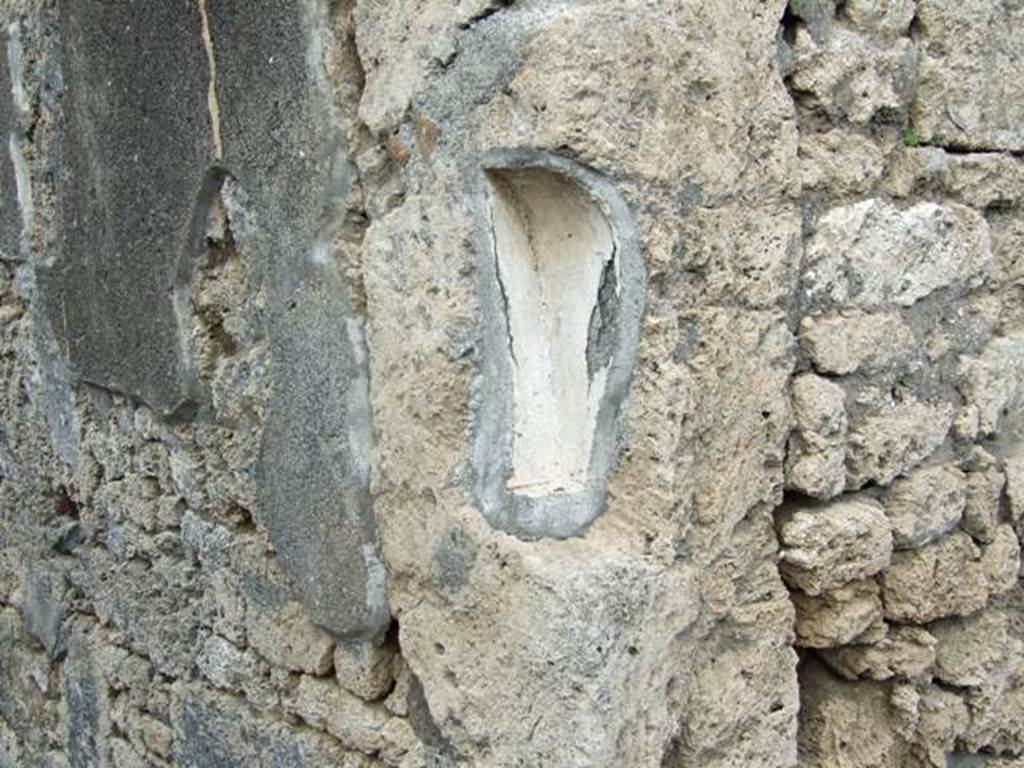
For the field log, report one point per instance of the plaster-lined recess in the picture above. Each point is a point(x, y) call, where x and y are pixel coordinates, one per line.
point(554, 249)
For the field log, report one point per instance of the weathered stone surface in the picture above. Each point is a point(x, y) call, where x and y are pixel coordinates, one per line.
point(848, 77)
point(843, 344)
point(1001, 559)
point(968, 96)
point(212, 729)
point(42, 608)
point(817, 449)
point(925, 505)
point(366, 171)
point(280, 630)
point(838, 160)
point(323, 703)
point(288, 203)
point(10, 205)
point(365, 669)
point(905, 652)
point(838, 616)
point(881, 17)
point(982, 508)
point(945, 578)
point(844, 723)
point(993, 384)
point(85, 696)
point(892, 439)
point(968, 648)
point(872, 255)
point(134, 181)
point(830, 545)
point(1014, 471)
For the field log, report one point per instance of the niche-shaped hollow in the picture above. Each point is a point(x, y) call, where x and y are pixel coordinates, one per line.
point(562, 287)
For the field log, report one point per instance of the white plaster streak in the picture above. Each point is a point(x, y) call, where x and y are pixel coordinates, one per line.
point(14, 68)
point(23, 183)
point(212, 103)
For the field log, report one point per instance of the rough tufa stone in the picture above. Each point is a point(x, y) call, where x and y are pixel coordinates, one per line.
point(893, 439)
point(826, 546)
point(814, 461)
point(944, 578)
point(872, 255)
point(905, 652)
point(926, 505)
point(838, 616)
point(981, 511)
point(970, 95)
point(844, 344)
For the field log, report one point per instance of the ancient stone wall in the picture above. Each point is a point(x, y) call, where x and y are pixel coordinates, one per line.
point(511, 383)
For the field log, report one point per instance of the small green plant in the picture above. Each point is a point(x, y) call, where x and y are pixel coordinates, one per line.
point(910, 138)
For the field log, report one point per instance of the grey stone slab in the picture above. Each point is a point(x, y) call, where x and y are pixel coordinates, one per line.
point(215, 730)
point(135, 144)
point(286, 160)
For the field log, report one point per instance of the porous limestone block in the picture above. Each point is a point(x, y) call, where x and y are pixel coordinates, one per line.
point(993, 384)
point(365, 668)
point(881, 17)
point(322, 703)
point(849, 77)
point(843, 723)
point(970, 647)
point(981, 510)
point(890, 439)
point(283, 634)
point(837, 616)
point(905, 652)
point(815, 460)
point(872, 255)
point(826, 546)
point(969, 95)
point(851, 342)
point(945, 578)
point(1014, 471)
point(840, 161)
point(1001, 559)
point(926, 504)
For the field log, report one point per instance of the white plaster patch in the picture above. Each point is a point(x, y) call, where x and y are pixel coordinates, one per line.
point(552, 243)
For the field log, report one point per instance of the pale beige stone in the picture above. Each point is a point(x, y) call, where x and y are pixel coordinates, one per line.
point(838, 616)
point(365, 668)
point(872, 255)
point(826, 546)
point(845, 724)
point(321, 702)
point(285, 636)
point(969, 95)
point(925, 505)
point(1001, 560)
point(993, 383)
point(970, 647)
point(981, 511)
point(843, 344)
point(905, 652)
point(892, 439)
point(945, 578)
point(815, 459)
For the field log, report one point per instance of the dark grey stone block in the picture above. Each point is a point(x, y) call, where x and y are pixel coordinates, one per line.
point(134, 181)
point(216, 730)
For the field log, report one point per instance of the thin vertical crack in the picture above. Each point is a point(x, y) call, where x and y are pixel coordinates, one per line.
point(212, 103)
